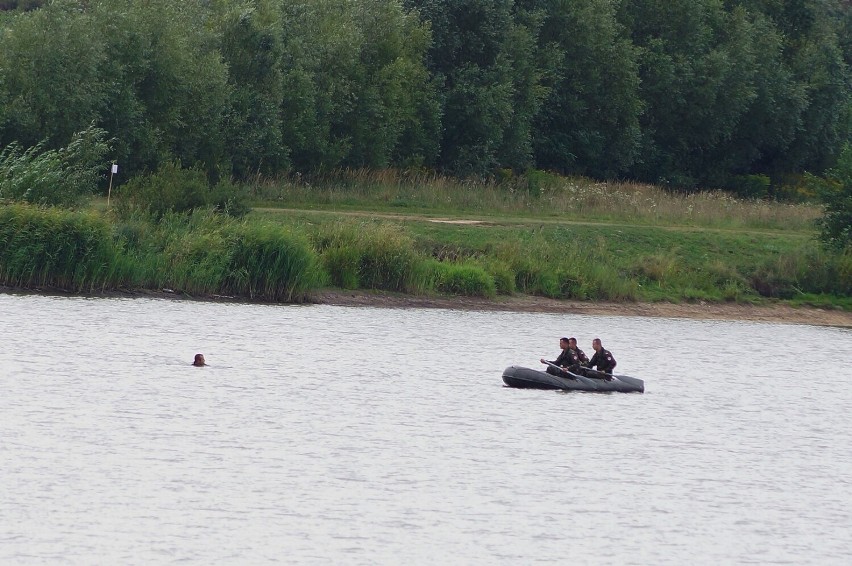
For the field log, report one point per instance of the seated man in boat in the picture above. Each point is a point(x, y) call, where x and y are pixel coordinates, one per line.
point(603, 359)
point(578, 356)
point(563, 360)
point(199, 360)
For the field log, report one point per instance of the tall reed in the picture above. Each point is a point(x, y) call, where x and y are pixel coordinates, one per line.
point(206, 253)
point(370, 255)
point(572, 198)
point(57, 248)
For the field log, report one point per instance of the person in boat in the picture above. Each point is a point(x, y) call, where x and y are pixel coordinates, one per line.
point(199, 360)
point(603, 359)
point(564, 360)
point(578, 356)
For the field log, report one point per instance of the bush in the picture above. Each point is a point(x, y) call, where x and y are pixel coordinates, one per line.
point(342, 265)
point(271, 263)
point(376, 256)
point(463, 279)
point(750, 186)
point(207, 254)
point(535, 279)
point(170, 189)
point(53, 177)
point(503, 276)
point(835, 191)
point(229, 198)
point(55, 247)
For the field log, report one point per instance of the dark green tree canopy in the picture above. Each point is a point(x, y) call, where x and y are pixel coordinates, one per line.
point(684, 92)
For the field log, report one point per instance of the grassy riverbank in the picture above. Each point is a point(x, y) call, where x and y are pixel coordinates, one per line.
point(548, 237)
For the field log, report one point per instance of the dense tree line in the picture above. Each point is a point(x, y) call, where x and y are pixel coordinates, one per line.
point(683, 92)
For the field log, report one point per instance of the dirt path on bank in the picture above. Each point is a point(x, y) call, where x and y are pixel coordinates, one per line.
point(508, 220)
point(778, 313)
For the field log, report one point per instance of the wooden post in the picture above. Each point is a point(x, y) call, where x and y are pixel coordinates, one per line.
point(112, 172)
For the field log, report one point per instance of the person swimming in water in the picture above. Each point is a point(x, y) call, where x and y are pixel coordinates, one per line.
point(199, 360)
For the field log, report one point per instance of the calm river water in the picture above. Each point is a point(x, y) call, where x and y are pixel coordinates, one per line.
point(324, 435)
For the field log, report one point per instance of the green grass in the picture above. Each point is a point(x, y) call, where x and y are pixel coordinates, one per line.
point(540, 196)
point(556, 237)
point(616, 262)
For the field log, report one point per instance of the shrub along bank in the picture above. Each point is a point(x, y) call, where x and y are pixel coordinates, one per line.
point(275, 256)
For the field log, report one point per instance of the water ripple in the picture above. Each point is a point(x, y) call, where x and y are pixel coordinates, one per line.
point(360, 435)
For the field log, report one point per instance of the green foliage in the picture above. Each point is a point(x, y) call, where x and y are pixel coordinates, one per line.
point(207, 254)
point(750, 186)
point(370, 256)
point(536, 278)
point(227, 197)
point(251, 45)
point(835, 191)
point(170, 189)
point(589, 123)
point(204, 253)
point(175, 189)
point(463, 279)
point(57, 248)
point(696, 73)
point(53, 177)
point(270, 263)
point(51, 84)
point(502, 275)
point(686, 93)
point(475, 46)
point(356, 91)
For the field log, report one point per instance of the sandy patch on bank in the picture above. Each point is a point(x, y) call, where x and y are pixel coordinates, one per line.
point(777, 313)
point(448, 221)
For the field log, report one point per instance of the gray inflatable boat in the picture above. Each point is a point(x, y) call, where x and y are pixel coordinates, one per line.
point(526, 378)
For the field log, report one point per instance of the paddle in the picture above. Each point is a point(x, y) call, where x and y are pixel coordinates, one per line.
point(562, 372)
point(597, 374)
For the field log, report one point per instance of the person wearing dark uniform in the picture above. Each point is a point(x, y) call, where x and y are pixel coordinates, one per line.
point(578, 356)
point(564, 360)
point(603, 359)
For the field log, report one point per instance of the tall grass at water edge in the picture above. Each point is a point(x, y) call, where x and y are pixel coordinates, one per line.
point(370, 255)
point(573, 198)
point(198, 254)
point(207, 254)
point(58, 248)
point(204, 254)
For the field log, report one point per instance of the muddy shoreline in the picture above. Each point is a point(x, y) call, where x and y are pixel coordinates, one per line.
point(777, 312)
point(774, 312)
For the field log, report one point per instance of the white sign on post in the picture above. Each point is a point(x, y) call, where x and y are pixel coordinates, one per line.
point(109, 190)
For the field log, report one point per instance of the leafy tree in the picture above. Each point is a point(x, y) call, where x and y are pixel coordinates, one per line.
point(836, 194)
point(766, 130)
point(697, 65)
point(50, 80)
point(804, 113)
point(819, 66)
point(249, 34)
point(356, 91)
point(168, 93)
point(469, 59)
point(320, 55)
point(395, 117)
point(589, 123)
point(61, 176)
point(532, 66)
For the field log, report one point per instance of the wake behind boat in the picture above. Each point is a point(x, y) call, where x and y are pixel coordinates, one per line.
point(526, 378)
